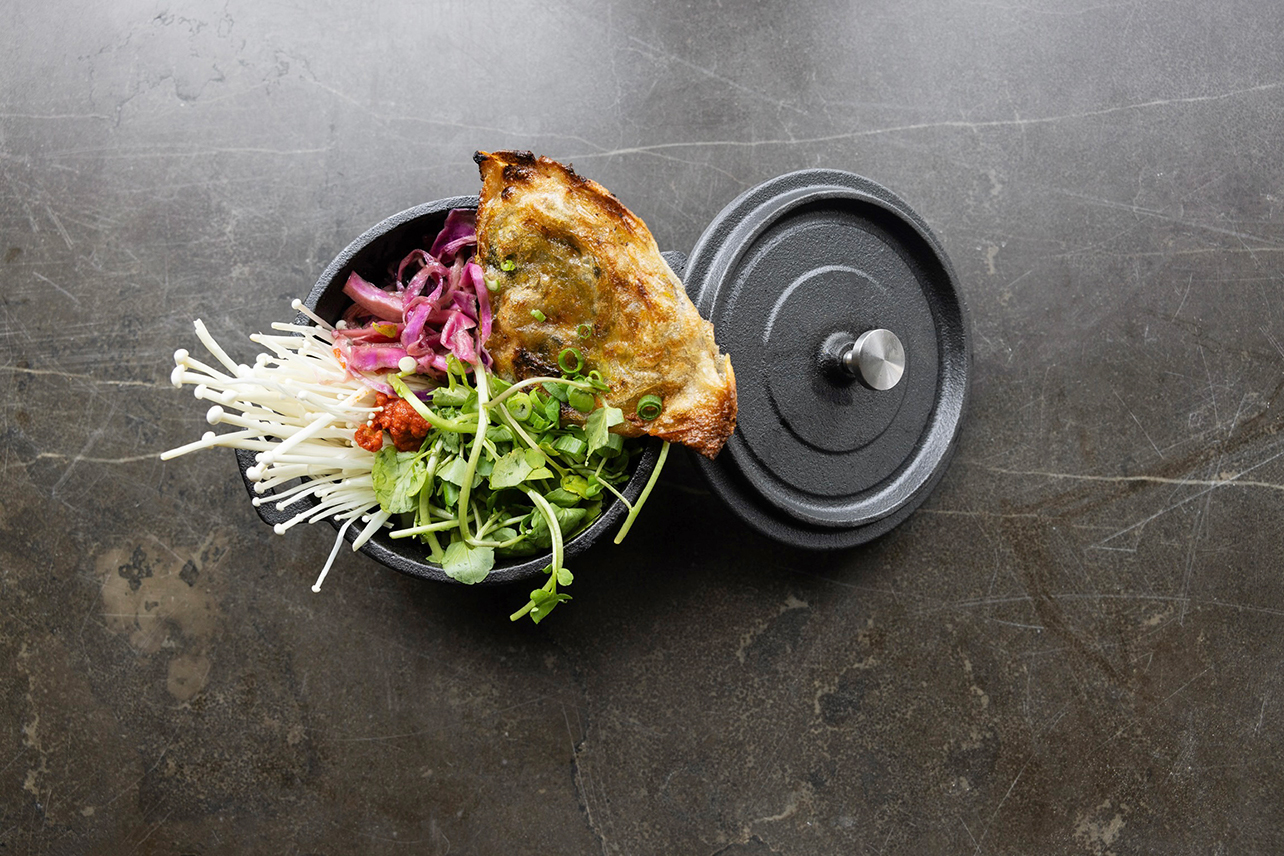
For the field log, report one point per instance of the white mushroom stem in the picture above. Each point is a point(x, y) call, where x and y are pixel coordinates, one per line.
point(378, 519)
point(213, 347)
point(334, 552)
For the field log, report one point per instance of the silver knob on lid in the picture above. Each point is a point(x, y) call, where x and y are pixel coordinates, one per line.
point(877, 357)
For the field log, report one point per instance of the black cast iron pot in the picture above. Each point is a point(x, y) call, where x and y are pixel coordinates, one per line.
point(851, 347)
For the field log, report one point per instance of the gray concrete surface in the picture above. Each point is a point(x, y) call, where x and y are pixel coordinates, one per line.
point(1073, 647)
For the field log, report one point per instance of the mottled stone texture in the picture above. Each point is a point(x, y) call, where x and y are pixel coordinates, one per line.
point(1074, 647)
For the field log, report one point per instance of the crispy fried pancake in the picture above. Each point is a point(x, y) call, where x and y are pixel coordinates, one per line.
point(562, 247)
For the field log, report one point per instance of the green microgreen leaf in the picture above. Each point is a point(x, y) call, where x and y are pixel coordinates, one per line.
point(569, 520)
point(445, 396)
point(466, 563)
point(398, 477)
point(453, 471)
point(510, 470)
point(598, 425)
point(499, 434)
point(541, 611)
point(563, 497)
point(450, 442)
point(576, 485)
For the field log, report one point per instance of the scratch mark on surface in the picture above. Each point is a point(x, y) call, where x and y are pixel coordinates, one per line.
point(44, 278)
point(137, 781)
point(55, 116)
point(383, 738)
point(1190, 280)
point(1169, 253)
point(1140, 211)
point(1073, 596)
point(155, 827)
point(1211, 390)
point(1238, 412)
point(23, 750)
point(1181, 502)
point(1271, 339)
point(79, 459)
point(1012, 786)
point(1072, 13)
point(99, 154)
point(587, 796)
point(1213, 483)
point(1183, 686)
point(1146, 433)
point(960, 512)
point(945, 124)
point(1191, 551)
point(365, 107)
point(89, 444)
point(715, 76)
point(58, 225)
point(71, 376)
point(1018, 625)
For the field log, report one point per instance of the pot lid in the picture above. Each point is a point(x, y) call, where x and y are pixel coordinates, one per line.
point(851, 348)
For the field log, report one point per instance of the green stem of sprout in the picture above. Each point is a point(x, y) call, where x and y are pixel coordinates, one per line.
point(646, 491)
point(474, 455)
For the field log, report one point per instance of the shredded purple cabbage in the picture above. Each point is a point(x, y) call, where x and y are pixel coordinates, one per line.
point(438, 305)
point(459, 231)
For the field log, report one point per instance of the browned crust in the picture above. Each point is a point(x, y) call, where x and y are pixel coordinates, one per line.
point(647, 336)
point(705, 430)
point(522, 167)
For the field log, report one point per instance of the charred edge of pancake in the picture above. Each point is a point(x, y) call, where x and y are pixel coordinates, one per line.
point(520, 167)
point(709, 428)
point(527, 363)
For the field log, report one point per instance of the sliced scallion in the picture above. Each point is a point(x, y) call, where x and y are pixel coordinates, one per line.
point(582, 401)
point(650, 407)
point(570, 361)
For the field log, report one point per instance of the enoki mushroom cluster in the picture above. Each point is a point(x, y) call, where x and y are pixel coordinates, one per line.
point(296, 407)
